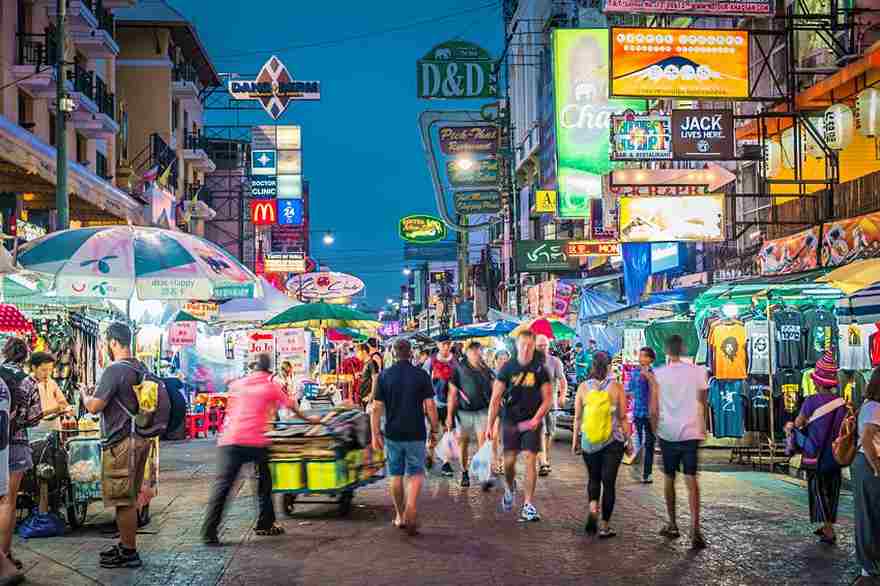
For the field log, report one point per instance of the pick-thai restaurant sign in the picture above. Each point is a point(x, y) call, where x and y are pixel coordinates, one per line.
point(640, 137)
point(481, 139)
point(477, 202)
point(679, 63)
point(689, 7)
point(703, 135)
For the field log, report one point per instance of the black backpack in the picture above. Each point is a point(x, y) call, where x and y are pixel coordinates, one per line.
point(12, 378)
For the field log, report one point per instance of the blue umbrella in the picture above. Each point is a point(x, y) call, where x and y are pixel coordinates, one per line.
point(483, 330)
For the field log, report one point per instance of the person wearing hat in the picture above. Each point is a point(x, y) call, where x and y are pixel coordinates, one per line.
point(820, 418)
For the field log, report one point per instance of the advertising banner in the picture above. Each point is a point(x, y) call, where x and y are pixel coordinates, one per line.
point(537, 256)
point(437, 251)
point(690, 7)
point(792, 254)
point(545, 201)
point(680, 63)
point(288, 239)
point(325, 285)
point(421, 229)
point(206, 310)
point(481, 139)
point(182, 334)
point(583, 115)
point(703, 135)
point(641, 137)
point(854, 238)
point(293, 345)
point(274, 87)
point(585, 248)
point(457, 70)
point(285, 262)
point(562, 298)
point(264, 212)
point(477, 202)
point(669, 219)
point(482, 172)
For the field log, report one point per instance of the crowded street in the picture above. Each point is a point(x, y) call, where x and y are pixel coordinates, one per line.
point(756, 524)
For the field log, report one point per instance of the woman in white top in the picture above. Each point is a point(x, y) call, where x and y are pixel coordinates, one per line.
point(52, 400)
point(601, 426)
point(866, 484)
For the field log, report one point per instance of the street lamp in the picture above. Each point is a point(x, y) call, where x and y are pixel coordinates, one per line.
point(407, 271)
point(329, 238)
point(389, 301)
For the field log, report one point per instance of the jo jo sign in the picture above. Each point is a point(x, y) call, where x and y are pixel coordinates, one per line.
point(457, 70)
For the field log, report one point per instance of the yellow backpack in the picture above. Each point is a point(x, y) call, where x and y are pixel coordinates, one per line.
point(596, 424)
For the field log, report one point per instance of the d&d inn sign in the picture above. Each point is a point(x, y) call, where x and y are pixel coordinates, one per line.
point(457, 70)
point(275, 88)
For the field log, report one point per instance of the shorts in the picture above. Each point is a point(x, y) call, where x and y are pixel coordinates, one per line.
point(520, 441)
point(470, 423)
point(679, 455)
point(405, 458)
point(20, 458)
point(120, 487)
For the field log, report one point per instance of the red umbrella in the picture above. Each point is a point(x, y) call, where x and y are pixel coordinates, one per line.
point(13, 321)
point(336, 336)
point(542, 326)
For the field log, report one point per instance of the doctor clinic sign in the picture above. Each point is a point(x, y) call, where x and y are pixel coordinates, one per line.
point(457, 70)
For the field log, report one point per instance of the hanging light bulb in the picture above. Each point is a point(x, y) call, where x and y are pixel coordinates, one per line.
point(839, 127)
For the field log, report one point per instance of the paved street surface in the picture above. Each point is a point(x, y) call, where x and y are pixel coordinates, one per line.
point(756, 525)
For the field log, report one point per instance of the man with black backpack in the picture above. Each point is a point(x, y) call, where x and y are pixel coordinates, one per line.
point(129, 418)
point(470, 390)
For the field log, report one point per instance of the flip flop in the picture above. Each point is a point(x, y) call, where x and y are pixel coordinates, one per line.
point(412, 526)
point(273, 531)
point(544, 470)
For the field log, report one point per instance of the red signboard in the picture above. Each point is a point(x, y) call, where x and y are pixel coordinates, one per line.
point(182, 333)
point(584, 248)
point(264, 212)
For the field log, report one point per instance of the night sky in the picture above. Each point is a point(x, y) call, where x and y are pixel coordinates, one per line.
point(361, 148)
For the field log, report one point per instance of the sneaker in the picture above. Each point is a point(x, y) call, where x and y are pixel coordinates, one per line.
point(211, 540)
point(446, 470)
point(529, 514)
point(507, 500)
point(110, 552)
point(697, 540)
point(670, 532)
point(647, 480)
point(465, 480)
point(122, 559)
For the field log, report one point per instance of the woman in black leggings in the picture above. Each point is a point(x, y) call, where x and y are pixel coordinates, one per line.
point(600, 416)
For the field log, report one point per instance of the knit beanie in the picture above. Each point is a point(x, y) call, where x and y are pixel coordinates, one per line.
point(825, 373)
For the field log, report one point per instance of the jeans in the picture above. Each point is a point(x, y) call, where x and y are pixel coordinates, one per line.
point(866, 494)
point(229, 462)
point(646, 440)
point(603, 466)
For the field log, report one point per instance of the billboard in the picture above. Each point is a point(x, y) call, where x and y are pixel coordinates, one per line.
point(583, 115)
point(853, 238)
point(696, 218)
point(689, 7)
point(702, 135)
point(679, 63)
point(274, 87)
point(641, 137)
point(791, 254)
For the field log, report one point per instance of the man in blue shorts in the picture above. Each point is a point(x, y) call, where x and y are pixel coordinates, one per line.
point(404, 395)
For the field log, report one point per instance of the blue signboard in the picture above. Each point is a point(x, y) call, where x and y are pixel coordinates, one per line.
point(667, 256)
point(290, 212)
point(436, 251)
point(264, 162)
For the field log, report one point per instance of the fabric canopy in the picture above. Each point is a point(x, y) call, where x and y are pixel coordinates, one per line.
point(862, 307)
point(593, 306)
point(483, 330)
point(855, 276)
point(272, 303)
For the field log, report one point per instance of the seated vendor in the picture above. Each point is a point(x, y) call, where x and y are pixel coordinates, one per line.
point(52, 400)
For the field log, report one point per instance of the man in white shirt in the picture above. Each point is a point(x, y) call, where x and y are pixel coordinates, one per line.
point(678, 407)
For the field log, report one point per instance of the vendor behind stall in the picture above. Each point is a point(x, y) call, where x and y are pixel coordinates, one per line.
point(52, 400)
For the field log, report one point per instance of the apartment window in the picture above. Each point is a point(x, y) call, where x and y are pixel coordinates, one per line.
point(25, 111)
point(82, 149)
point(52, 129)
point(175, 115)
point(101, 165)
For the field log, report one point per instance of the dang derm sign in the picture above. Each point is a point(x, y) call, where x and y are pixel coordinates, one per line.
point(583, 116)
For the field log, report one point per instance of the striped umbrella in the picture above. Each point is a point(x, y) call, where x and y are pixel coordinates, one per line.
point(121, 262)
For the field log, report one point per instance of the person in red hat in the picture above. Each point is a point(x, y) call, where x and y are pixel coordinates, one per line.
point(821, 416)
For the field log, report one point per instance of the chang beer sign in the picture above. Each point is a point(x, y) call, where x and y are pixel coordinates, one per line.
point(457, 70)
point(422, 229)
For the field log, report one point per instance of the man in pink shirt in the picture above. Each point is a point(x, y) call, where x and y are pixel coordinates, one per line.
point(253, 401)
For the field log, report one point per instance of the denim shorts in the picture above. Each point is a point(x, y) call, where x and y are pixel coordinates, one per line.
point(405, 458)
point(20, 457)
point(680, 455)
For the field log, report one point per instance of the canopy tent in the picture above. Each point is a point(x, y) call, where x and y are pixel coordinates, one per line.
point(552, 328)
point(862, 307)
point(270, 304)
point(483, 330)
point(594, 305)
point(855, 276)
point(682, 296)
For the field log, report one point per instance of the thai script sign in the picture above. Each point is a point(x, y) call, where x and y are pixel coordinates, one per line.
point(538, 256)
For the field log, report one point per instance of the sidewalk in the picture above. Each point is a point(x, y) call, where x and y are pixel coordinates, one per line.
point(756, 524)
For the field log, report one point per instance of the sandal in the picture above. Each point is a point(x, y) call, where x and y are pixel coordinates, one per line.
point(607, 533)
point(670, 532)
point(400, 524)
point(499, 469)
point(272, 531)
point(544, 470)
point(592, 524)
point(15, 562)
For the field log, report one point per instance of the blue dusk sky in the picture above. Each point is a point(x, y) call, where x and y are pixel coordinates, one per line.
point(361, 149)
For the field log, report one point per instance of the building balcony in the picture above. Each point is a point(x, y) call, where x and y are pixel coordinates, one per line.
point(33, 69)
point(91, 28)
point(185, 82)
point(195, 152)
point(81, 14)
point(95, 106)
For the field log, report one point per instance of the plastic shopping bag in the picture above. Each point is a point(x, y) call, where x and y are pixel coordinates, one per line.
point(481, 466)
point(447, 449)
point(41, 525)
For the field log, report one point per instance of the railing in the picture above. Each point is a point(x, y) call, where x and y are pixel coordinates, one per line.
point(104, 16)
point(83, 81)
point(193, 141)
point(185, 72)
point(157, 154)
point(36, 49)
point(104, 98)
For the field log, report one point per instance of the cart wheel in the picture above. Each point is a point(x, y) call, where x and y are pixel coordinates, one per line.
point(345, 503)
point(289, 501)
point(144, 516)
point(76, 515)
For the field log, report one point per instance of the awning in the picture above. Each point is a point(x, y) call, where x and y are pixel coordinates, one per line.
point(682, 295)
point(862, 307)
point(855, 276)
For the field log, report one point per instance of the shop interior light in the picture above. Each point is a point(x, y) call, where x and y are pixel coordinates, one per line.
point(730, 309)
point(464, 163)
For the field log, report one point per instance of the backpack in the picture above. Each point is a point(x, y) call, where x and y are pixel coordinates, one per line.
point(12, 378)
point(474, 396)
point(596, 424)
point(808, 444)
point(154, 404)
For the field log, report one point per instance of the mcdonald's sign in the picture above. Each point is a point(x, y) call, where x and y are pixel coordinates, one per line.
point(264, 212)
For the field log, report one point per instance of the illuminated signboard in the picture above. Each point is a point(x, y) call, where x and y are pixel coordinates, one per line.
point(689, 7)
point(639, 137)
point(422, 229)
point(585, 248)
point(264, 212)
point(477, 202)
point(679, 63)
point(290, 212)
point(285, 262)
point(274, 87)
point(672, 219)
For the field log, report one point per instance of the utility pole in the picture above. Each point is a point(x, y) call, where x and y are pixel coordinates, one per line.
point(62, 200)
point(463, 258)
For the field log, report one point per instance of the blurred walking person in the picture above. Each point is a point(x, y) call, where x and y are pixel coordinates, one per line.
point(866, 484)
point(556, 373)
point(441, 366)
point(640, 389)
point(470, 391)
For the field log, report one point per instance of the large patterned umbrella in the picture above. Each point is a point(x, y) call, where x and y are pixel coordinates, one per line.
point(321, 316)
point(120, 262)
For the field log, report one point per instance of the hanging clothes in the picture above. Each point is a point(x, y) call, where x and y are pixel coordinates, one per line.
point(758, 346)
point(874, 343)
point(758, 399)
point(808, 386)
point(658, 332)
point(633, 341)
point(727, 347)
point(727, 401)
point(788, 386)
point(855, 352)
point(851, 386)
point(820, 329)
point(789, 338)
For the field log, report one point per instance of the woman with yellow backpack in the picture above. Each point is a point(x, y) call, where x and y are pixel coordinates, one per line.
point(601, 427)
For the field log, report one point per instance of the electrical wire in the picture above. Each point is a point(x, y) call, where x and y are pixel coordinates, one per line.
point(357, 37)
point(35, 73)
